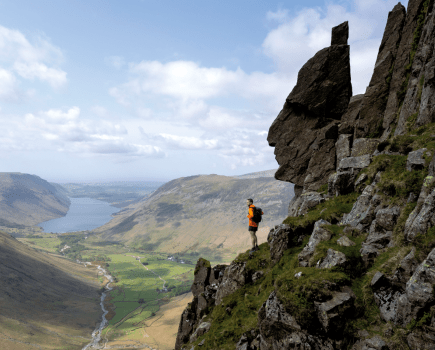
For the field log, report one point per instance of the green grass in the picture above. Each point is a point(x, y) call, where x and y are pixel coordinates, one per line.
point(331, 210)
point(396, 182)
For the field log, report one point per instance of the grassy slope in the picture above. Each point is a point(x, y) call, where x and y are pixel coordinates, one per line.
point(298, 295)
point(205, 214)
point(45, 300)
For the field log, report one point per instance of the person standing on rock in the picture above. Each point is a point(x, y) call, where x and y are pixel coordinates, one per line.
point(253, 225)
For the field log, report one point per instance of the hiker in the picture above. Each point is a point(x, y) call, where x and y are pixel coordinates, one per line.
point(253, 223)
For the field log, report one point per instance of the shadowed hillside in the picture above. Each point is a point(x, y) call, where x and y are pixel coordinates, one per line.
point(46, 302)
point(204, 214)
point(27, 200)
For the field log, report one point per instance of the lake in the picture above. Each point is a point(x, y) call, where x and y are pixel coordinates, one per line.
point(83, 214)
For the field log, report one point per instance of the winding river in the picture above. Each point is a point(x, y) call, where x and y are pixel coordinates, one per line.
point(96, 334)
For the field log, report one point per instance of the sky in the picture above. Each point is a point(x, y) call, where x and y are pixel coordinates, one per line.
point(146, 90)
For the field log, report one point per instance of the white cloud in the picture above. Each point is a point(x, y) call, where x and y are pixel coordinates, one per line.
point(8, 86)
point(187, 142)
point(67, 131)
point(297, 38)
point(38, 59)
point(55, 77)
point(230, 110)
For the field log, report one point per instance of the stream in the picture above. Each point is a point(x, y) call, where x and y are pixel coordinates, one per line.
point(96, 334)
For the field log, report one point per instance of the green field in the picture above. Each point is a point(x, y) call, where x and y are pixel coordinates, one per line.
point(138, 290)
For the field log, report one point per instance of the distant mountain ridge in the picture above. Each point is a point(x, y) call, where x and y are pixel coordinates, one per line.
point(28, 200)
point(202, 213)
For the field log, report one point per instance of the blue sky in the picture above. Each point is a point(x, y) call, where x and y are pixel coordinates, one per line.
point(155, 90)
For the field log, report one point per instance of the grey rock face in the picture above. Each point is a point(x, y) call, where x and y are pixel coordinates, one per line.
point(415, 160)
point(202, 275)
point(419, 291)
point(333, 258)
point(348, 120)
point(374, 102)
point(386, 218)
point(187, 322)
point(343, 146)
point(364, 146)
point(421, 218)
point(402, 59)
point(420, 340)
point(362, 212)
point(375, 343)
point(309, 200)
point(279, 330)
point(332, 313)
point(355, 163)
point(204, 288)
point(319, 234)
point(419, 99)
point(344, 241)
point(340, 183)
point(235, 277)
point(280, 239)
point(389, 292)
point(305, 131)
point(340, 34)
point(203, 328)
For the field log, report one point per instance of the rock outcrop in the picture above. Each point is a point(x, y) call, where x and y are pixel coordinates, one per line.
point(352, 267)
point(306, 130)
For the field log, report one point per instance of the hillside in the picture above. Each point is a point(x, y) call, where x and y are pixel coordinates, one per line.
point(205, 214)
point(27, 200)
point(46, 302)
point(353, 265)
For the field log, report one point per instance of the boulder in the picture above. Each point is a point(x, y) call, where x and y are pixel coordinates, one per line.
point(386, 218)
point(340, 183)
point(369, 123)
point(422, 218)
point(319, 234)
point(419, 291)
point(203, 328)
point(343, 146)
point(422, 340)
point(355, 164)
point(375, 343)
point(201, 278)
point(306, 129)
point(402, 60)
point(281, 238)
point(362, 213)
point(344, 241)
point(364, 146)
point(333, 313)
point(389, 292)
point(279, 330)
point(415, 160)
point(309, 200)
point(333, 258)
point(234, 278)
point(405, 270)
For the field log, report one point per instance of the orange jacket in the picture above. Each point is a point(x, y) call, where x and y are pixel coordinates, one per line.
point(251, 215)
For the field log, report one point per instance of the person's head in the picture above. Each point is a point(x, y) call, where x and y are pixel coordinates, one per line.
point(249, 201)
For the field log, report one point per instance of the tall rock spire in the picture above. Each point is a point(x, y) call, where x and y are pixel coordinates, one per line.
point(306, 129)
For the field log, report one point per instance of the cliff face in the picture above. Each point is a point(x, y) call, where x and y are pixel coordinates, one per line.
point(353, 265)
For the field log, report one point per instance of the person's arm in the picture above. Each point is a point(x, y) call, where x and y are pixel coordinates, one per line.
point(250, 213)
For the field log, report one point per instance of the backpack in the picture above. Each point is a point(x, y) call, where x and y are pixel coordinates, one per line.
point(257, 215)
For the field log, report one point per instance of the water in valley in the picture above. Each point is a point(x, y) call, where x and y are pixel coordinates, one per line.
point(83, 214)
